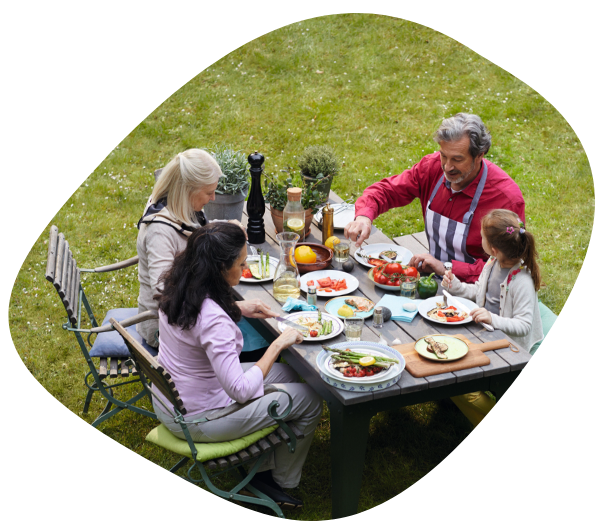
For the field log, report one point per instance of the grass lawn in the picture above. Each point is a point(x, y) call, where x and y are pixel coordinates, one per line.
point(374, 88)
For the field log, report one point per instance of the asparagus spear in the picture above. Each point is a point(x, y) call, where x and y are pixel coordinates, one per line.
point(267, 264)
point(358, 355)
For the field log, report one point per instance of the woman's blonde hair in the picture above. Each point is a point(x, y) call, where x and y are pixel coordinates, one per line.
point(187, 173)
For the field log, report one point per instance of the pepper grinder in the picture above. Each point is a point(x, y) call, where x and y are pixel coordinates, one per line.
point(327, 222)
point(255, 205)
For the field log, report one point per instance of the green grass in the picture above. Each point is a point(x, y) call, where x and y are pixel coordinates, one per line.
point(268, 96)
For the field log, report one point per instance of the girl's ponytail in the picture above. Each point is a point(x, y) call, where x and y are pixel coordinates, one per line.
point(529, 256)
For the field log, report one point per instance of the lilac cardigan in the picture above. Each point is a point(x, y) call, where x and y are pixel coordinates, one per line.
point(204, 361)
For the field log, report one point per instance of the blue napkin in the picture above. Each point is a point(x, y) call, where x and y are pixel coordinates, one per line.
point(395, 304)
point(297, 304)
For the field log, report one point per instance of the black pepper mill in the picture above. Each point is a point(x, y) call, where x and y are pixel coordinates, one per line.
point(255, 205)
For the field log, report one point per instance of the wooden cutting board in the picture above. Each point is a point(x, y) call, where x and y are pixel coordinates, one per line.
point(420, 367)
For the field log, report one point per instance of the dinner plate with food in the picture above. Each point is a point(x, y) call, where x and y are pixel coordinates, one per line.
point(329, 283)
point(320, 326)
point(435, 309)
point(373, 254)
point(354, 376)
point(439, 347)
point(350, 306)
point(259, 268)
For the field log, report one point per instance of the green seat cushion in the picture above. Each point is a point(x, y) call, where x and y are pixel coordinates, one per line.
point(548, 318)
point(163, 437)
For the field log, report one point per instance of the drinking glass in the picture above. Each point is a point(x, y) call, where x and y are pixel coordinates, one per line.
point(341, 251)
point(354, 328)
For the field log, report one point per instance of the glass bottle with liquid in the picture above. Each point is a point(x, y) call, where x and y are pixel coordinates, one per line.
point(293, 216)
point(286, 279)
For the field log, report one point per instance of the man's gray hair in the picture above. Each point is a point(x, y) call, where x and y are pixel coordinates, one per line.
point(456, 127)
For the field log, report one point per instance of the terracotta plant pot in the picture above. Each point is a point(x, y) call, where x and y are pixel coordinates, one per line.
point(278, 224)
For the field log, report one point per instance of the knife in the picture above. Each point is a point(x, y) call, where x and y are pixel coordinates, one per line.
point(452, 301)
point(296, 326)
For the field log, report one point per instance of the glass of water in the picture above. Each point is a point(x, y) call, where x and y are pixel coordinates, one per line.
point(354, 328)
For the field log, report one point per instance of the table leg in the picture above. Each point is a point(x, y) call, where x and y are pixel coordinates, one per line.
point(349, 434)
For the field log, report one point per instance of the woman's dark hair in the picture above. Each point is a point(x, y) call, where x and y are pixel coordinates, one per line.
point(505, 232)
point(198, 273)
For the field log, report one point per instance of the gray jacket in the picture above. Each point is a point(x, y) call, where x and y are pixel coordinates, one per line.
point(519, 315)
point(160, 239)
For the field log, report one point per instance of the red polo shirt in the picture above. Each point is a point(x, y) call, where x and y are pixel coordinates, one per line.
point(500, 192)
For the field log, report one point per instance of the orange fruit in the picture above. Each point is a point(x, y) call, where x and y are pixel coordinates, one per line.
point(305, 255)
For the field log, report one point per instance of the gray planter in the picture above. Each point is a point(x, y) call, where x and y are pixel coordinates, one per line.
point(225, 207)
point(324, 187)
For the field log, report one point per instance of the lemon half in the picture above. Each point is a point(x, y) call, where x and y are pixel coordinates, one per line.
point(331, 241)
point(367, 361)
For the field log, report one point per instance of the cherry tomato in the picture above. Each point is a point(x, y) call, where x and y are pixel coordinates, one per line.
point(382, 279)
point(410, 271)
point(393, 267)
point(360, 374)
point(313, 333)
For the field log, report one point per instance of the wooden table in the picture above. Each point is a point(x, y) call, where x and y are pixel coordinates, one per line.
point(351, 412)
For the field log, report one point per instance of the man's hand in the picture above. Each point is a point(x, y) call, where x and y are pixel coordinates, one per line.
point(358, 230)
point(256, 309)
point(426, 263)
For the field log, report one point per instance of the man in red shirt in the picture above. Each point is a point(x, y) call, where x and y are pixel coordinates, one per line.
point(456, 187)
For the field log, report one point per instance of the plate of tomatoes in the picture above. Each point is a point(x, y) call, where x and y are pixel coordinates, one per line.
point(329, 283)
point(252, 273)
point(435, 310)
point(371, 255)
point(389, 276)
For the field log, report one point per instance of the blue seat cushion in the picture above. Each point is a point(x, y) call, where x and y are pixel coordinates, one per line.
point(548, 318)
point(111, 344)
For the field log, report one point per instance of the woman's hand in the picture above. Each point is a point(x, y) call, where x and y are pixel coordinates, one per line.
point(481, 315)
point(448, 277)
point(256, 309)
point(288, 338)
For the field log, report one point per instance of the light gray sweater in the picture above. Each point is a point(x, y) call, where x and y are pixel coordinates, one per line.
point(519, 315)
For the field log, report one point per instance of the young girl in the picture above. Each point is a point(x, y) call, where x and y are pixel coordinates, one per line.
point(506, 292)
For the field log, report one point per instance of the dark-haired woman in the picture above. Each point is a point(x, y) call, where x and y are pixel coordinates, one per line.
point(200, 344)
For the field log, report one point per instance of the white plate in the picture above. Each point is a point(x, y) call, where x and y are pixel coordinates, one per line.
point(457, 348)
point(273, 264)
point(427, 305)
point(351, 282)
point(341, 219)
point(356, 347)
point(338, 325)
point(404, 255)
point(358, 386)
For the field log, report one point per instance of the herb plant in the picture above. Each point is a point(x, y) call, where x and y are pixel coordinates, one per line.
point(276, 194)
point(234, 166)
point(318, 161)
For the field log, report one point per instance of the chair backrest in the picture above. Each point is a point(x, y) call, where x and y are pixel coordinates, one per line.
point(147, 364)
point(63, 272)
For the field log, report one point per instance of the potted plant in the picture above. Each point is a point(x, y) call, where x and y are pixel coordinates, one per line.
point(276, 197)
point(318, 164)
point(232, 189)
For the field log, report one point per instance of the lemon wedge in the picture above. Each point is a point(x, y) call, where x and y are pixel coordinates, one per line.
point(295, 224)
point(367, 361)
point(331, 241)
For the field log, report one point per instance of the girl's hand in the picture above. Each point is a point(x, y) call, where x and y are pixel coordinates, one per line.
point(448, 277)
point(481, 315)
point(256, 309)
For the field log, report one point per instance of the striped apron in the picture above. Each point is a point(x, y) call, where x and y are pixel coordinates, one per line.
point(448, 238)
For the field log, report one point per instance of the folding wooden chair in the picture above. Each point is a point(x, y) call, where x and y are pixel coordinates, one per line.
point(213, 459)
point(109, 347)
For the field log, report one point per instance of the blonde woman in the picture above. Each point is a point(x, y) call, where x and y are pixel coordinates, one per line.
point(172, 213)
